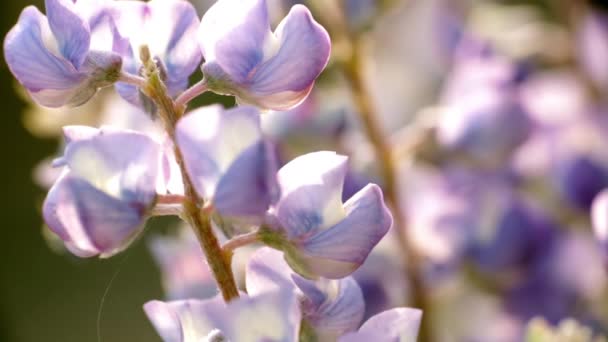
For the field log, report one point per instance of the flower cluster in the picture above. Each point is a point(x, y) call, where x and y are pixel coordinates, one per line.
point(435, 171)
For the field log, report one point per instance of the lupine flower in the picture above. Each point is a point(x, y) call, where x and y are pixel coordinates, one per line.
point(228, 160)
point(319, 235)
point(599, 217)
point(483, 116)
point(100, 202)
point(184, 273)
point(272, 316)
point(330, 307)
point(243, 57)
point(53, 56)
point(400, 324)
point(168, 28)
point(592, 48)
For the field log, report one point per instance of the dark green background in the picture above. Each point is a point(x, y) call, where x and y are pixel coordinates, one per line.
point(45, 296)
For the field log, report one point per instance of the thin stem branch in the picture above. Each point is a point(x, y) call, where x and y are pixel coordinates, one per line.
point(167, 210)
point(240, 241)
point(135, 80)
point(191, 93)
point(219, 262)
point(388, 169)
point(170, 199)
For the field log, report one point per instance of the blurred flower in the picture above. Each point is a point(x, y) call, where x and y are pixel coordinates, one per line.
point(244, 58)
point(228, 160)
point(184, 273)
point(331, 307)
point(319, 235)
point(54, 57)
point(592, 46)
point(272, 317)
point(599, 217)
point(102, 199)
point(168, 28)
point(568, 330)
point(483, 115)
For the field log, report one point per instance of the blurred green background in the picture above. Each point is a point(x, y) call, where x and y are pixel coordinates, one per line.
point(45, 295)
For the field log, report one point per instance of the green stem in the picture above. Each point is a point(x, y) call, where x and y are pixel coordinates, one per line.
point(219, 262)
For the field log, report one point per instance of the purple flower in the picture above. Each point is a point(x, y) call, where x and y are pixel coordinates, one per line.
point(100, 202)
point(168, 28)
point(319, 235)
point(400, 324)
point(272, 317)
point(483, 116)
point(184, 272)
point(53, 57)
point(243, 57)
point(330, 307)
point(228, 160)
point(599, 217)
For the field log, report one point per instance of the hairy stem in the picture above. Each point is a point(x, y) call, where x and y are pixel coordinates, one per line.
point(191, 93)
point(219, 262)
point(240, 241)
point(388, 169)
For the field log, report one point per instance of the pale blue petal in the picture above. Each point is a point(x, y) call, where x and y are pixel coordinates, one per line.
point(70, 29)
point(395, 325)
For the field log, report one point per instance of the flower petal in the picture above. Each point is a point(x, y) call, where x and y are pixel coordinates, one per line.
point(234, 34)
point(88, 220)
point(289, 75)
point(273, 317)
point(311, 193)
point(173, 27)
point(400, 324)
point(70, 29)
point(32, 63)
point(123, 164)
point(599, 217)
point(226, 158)
point(338, 251)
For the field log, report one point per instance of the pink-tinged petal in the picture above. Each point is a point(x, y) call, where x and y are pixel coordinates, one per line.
point(88, 220)
point(31, 62)
point(285, 79)
point(395, 325)
point(339, 250)
point(599, 218)
point(311, 193)
point(227, 159)
point(70, 29)
point(233, 34)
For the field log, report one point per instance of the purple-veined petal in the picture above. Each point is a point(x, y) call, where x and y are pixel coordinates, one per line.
point(165, 320)
point(70, 29)
point(174, 25)
point(88, 220)
point(285, 79)
point(267, 272)
point(227, 159)
point(272, 317)
point(395, 325)
point(31, 62)
point(235, 34)
point(339, 250)
point(599, 217)
point(311, 193)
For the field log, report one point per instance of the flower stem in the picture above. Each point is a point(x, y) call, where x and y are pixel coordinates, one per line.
point(191, 93)
point(135, 80)
point(219, 262)
point(353, 72)
point(240, 241)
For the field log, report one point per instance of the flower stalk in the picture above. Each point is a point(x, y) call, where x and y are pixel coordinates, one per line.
point(169, 112)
